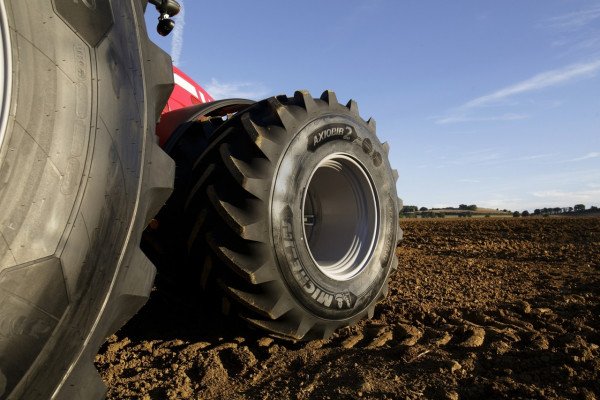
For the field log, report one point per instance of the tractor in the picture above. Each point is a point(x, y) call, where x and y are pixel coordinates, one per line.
point(283, 210)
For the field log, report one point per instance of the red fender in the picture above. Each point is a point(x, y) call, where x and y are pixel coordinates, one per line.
point(189, 102)
point(186, 93)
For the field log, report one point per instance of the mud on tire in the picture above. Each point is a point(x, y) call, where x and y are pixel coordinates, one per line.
point(80, 175)
point(292, 212)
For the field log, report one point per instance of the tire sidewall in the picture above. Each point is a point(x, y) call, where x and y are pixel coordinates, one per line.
point(78, 178)
point(320, 294)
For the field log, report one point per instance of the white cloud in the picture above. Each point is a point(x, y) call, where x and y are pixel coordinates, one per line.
point(534, 157)
point(464, 118)
point(594, 154)
point(177, 38)
point(245, 90)
point(540, 81)
point(537, 82)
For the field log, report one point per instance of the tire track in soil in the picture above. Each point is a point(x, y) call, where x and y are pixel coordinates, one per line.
point(479, 308)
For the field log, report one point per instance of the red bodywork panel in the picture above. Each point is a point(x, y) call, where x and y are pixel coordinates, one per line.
point(186, 93)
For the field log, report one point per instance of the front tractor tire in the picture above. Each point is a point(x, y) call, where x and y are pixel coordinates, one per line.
point(81, 174)
point(292, 210)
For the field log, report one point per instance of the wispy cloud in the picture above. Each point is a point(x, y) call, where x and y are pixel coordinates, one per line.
point(177, 38)
point(534, 157)
point(576, 19)
point(577, 32)
point(246, 90)
point(594, 154)
point(538, 82)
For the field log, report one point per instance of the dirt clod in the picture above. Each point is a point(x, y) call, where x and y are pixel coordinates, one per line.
point(410, 334)
point(454, 366)
point(475, 337)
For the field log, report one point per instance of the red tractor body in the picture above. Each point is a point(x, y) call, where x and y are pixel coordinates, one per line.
point(186, 93)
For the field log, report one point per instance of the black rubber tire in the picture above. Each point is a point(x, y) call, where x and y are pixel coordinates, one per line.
point(238, 221)
point(80, 177)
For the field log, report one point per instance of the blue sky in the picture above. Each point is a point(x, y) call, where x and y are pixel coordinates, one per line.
point(488, 103)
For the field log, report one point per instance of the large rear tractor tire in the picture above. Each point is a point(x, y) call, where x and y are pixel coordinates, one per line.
point(292, 210)
point(81, 89)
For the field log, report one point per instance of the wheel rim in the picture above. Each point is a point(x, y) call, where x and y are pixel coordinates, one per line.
point(341, 218)
point(5, 72)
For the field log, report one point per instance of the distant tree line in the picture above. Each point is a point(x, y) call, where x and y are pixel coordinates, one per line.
point(464, 210)
point(576, 209)
point(424, 212)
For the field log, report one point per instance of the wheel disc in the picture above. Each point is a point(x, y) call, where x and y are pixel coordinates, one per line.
point(341, 220)
point(5, 72)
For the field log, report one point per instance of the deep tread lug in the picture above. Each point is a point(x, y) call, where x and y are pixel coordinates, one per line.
point(384, 291)
point(243, 223)
point(400, 236)
point(261, 304)
point(288, 120)
point(238, 168)
point(329, 97)
point(372, 124)
point(328, 330)
point(83, 383)
point(161, 84)
point(353, 107)
point(249, 267)
point(304, 327)
point(304, 99)
point(207, 268)
point(244, 174)
point(260, 138)
point(386, 148)
point(371, 312)
point(200, 220)
point(133, 290)
point(395, 263)
point(160, 175)
point(199, 183)
point(283, 329)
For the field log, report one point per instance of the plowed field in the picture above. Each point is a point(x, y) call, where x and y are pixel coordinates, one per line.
point(479, 308)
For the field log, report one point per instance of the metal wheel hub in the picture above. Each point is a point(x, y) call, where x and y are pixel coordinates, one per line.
point(5, 72)
point(341, 217)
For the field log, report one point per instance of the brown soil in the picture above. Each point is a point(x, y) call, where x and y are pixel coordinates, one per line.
point(480, 308)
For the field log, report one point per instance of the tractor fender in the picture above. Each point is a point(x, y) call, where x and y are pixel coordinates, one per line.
point(172, 124)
